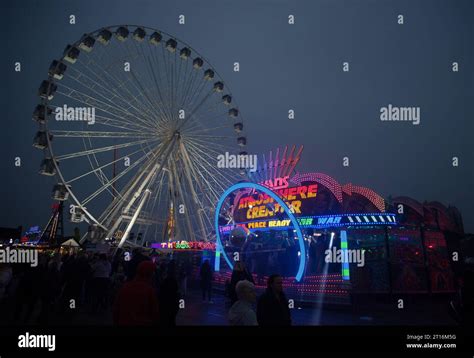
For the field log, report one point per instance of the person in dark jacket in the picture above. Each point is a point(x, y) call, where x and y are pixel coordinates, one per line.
point(206, 280)
point(240, 273)
point(136, 303)
point(169, 297)
point(272, 306)
point(131, 267)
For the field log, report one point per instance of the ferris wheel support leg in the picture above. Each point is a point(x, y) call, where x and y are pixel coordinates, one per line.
point(134, 218)
point(181, 193)
point(155, 171)
point(187, 163)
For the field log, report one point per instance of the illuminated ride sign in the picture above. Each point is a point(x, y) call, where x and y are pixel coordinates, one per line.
point(271, 197)
point(319, 222)
point(185, 245)
point(263, 205)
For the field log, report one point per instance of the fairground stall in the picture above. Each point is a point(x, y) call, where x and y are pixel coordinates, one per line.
point(331, 241)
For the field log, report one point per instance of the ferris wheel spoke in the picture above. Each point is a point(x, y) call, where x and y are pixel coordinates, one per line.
point(113, 122)
point(202, 130)
point(193, 111)
point(128, 155)
point(212, 176)
point(182, 79)
point(204, 145)
point(94, 86)
point(177, 78)
point(121, 85)
point(98, 134)
point(126, 191)
point(167, 75)
point(198, 120)
point(196, 93)
point(100, 190)
point(188, 176)
point(99, 150)
point(202, 136)
point(150, 74)
point(129, 188)
point(157, 80)
point(175, 178)
point(203, 154)
point(188, 86)
point(91, 101)
point(112, 86)
point(210, 194)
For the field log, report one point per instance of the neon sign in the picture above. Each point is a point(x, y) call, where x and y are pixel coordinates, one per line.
point(185, 245)
point(277, 183)
point(263, 205)
point(281, 203)
point(319, 222)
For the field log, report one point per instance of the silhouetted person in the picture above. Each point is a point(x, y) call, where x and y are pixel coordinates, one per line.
point(272, 307)
point(136, 303)
point(206, 280)
point(169, 297)
point(49, 289)
point(131, 267)
point(100, 282)
point(239, 273)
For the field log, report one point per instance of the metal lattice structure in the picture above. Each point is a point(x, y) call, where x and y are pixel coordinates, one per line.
point(131, 121)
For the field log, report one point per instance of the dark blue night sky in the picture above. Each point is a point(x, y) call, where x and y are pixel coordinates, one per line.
point(282, 67)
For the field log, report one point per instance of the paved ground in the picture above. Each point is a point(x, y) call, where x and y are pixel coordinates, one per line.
point(197, 312)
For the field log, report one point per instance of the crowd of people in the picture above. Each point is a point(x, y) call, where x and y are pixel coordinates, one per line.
point(64, 284)
point(270, 309)
point(136, 288)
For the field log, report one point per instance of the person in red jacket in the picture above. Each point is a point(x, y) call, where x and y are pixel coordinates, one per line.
point(136, 303)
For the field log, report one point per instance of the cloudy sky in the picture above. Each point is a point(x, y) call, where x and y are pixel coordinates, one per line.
point(282, 67)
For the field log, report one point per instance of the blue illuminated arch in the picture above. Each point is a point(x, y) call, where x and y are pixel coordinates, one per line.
point(219, 246)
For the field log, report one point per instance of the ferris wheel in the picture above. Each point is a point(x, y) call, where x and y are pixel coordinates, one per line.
point(131, 122)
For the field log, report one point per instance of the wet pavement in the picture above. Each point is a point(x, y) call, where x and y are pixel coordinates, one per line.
point(197, 312)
